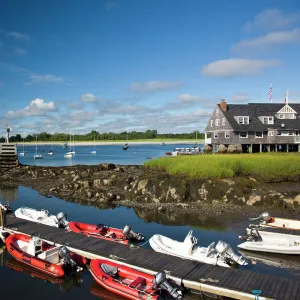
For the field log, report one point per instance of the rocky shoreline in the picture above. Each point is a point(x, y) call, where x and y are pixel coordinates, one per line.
point(165, 196)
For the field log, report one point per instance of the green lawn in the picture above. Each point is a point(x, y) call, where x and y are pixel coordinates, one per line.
point(267, 167)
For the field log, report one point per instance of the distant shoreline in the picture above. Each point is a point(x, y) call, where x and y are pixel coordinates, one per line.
point(86, 143)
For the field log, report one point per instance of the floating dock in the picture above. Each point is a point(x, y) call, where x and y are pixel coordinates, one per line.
point(228, 282)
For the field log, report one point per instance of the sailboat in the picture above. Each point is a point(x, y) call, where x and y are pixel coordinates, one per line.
point(23, 152)
point(37, 156)
point(69, 154)
point(94, 151)
point(51, 151)
point(196, 144)
point(126, 146)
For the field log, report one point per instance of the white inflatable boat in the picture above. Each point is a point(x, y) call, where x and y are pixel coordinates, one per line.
point(271, 242)
point(221, 254)
point(42, 216)
point(266, 221)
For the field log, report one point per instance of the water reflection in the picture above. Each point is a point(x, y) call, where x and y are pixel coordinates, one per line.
point(180, 218)
point(9, 194)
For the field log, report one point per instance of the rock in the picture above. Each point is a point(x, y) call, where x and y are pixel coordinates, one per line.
point(97, 183)
point(108, 167)
point(207, 148)
point(52, 189)
point(89, 194)
point(111, 197)
point(253, 199)
point(120, 169)
point(161, 209)
point(84, 183)
point(66, 172)
point(75, 178)
point(222, 149)
point(107, 181)
point(235, 148)
point(76, 186)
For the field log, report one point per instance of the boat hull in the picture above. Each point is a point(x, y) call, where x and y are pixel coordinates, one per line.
point(110, 234)
point(119, 286)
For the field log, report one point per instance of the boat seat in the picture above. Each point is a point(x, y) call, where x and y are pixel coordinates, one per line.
point(210, 249)
point(51, 255)
point(137, 281)
point(109, 270)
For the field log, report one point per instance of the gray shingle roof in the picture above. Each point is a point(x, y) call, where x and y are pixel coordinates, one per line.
point(255, 110)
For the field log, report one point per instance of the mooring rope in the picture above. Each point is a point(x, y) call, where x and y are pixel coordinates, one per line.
point(132, 246)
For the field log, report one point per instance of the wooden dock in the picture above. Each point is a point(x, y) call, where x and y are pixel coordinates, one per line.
point(229, 282)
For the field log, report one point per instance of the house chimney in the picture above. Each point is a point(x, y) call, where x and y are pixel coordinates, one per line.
point(223, 105)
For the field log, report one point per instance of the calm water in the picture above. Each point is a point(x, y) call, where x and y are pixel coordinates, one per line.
point(135, 155)
point(84, 287)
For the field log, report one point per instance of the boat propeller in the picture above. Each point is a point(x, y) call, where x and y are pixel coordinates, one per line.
point(226, 252)
point(131, 235)
point(160, 280)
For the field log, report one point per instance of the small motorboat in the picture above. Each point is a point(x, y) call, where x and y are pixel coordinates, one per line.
point(51, 152)
point(103, 293)
point(104, 232)
point(22, 153)
point(221, 254)
point(131, 283)
point(94, 152)
point(55, 261)
point(71, 152)
point(266, 221)
point(38, 156)
point(271, 242)
point(125, 147)
point(42, 216)
point(168, 153)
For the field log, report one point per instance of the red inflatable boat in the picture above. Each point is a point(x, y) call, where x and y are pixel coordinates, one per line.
point(101, 231)
point(130, 283)
point(42, 256)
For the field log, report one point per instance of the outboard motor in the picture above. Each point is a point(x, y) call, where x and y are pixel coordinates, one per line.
point(160, 281)
point(7, 209)
point(62, 220)
point(265, 216)
point(64, 253)
point(226, 252)
point(131, 235)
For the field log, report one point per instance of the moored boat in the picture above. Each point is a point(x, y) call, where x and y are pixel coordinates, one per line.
point(55, 261)
point(101, 231)
point(266, 221)
point(42, 216)
point(131, 283)
point(271, 242)
point(221, 254)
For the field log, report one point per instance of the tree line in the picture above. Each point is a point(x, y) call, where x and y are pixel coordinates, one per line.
point(106, 136)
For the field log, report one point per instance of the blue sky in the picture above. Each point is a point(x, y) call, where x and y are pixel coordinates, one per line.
point(114, 65)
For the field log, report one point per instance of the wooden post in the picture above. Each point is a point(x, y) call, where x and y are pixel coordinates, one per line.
point(287, 147)
point(250, 148)
point(298, 147)
point(260, 148)
point(275, 147)
point(269, 148)
point(1, 218)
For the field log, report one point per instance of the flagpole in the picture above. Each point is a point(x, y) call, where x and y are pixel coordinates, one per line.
point(287, 97)
point(270, 92)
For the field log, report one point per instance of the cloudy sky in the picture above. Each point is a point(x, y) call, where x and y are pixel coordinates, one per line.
point(114, 65)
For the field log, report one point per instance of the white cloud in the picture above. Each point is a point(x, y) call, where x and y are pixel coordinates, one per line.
point(270, 39)
point(239, 98)
point(18, 36)
point(237, 67)
point(37, 107)
point(154, 86)
point(19, 51)
point(187, 98)
point(90, 98)
point(273, 19)
point(47, 78)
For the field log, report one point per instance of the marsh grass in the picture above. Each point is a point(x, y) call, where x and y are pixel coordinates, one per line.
point(269, 167)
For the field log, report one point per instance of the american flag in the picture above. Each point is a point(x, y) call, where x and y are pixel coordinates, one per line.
point(270, 93)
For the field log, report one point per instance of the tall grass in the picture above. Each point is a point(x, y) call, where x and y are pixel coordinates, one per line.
point(270, 167)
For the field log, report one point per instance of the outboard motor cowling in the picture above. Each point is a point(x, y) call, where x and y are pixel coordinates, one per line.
point(62, 220)
point(265, 216)
point(7, 209)
point(226, 252)
point(64, 253)
point(160, 281)
point(131, 235)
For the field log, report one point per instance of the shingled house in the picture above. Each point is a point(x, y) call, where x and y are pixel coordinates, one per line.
point(257, 127)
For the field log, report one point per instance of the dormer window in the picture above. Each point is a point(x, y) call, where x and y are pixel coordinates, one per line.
point(267, 120)
point(217, 122)
point(242, 120)
point(211, 123)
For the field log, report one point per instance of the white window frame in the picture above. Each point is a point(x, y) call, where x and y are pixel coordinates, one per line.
point(259, 137)
point(223, 121)
point(211, 123)
point(227, 134)
point(243, 119)
point(215, 135)
point(271, 133)
point(281, 116)
point(217, 121)
point(243, 137)
point(284, 133)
